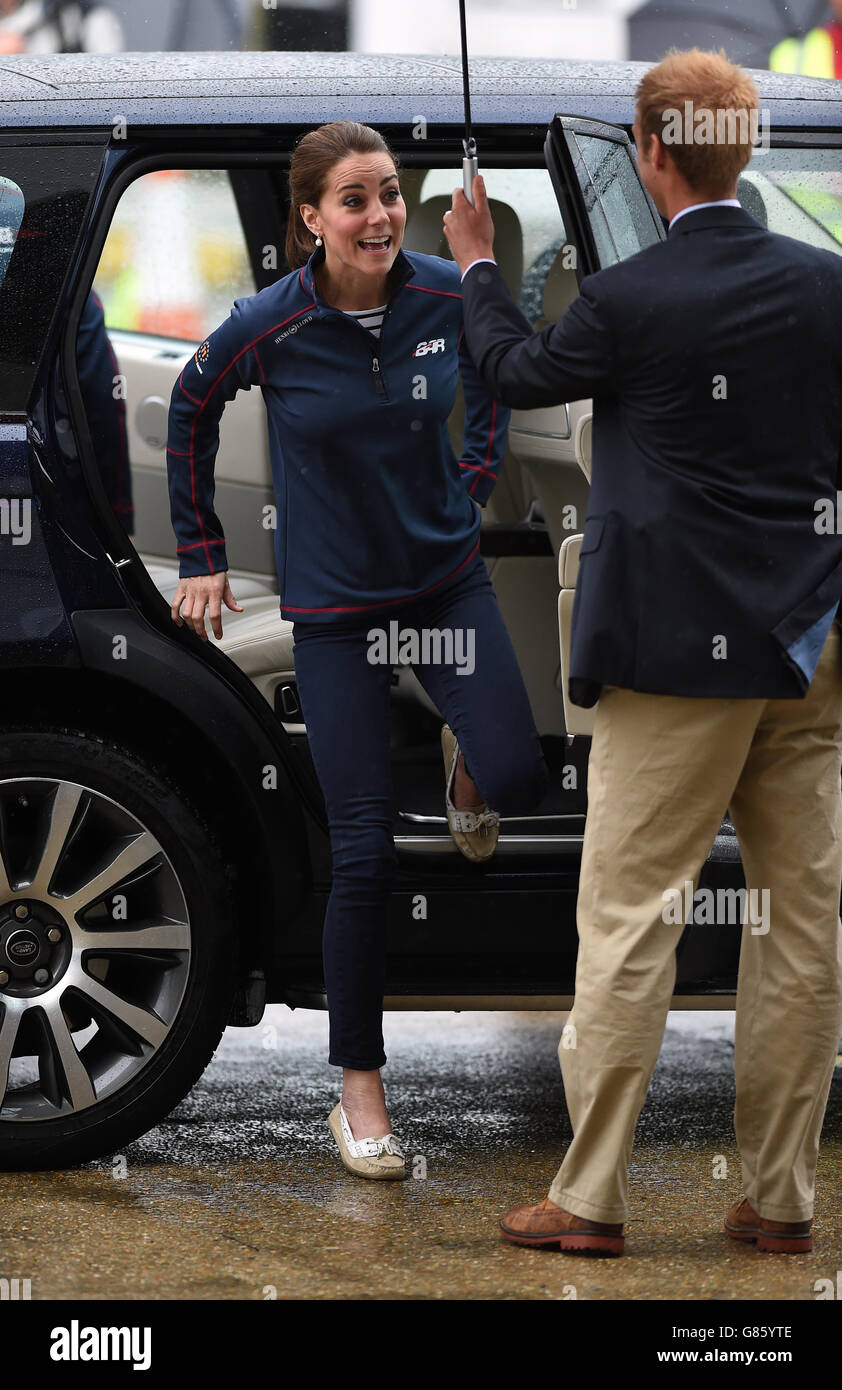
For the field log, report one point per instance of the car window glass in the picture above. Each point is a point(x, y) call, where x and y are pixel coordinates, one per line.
point(539, 267)
point(45, 191)
point(11, 215)
point(528, 230)
point(175, 257)
point(615, 201)
point(174, 260)
point(797, 193)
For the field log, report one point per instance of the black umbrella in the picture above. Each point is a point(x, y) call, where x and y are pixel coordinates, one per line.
point(747, 29)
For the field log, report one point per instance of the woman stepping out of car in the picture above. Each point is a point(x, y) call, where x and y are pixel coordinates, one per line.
point(357, 352)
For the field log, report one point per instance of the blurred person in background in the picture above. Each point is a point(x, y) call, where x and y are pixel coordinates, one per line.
point(309, 26)
point(59, 26)
point(187, 13)
point(818, 54)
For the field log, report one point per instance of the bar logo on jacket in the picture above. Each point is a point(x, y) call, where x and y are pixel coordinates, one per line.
point(432, 345)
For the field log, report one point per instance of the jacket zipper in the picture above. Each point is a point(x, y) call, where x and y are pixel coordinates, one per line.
point(378, 380)
point(374, 347)
point(379, 383)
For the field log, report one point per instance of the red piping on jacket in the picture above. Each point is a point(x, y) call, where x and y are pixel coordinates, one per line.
point(201, 404)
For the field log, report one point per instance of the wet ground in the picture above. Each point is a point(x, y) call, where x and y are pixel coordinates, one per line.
point(240, 1194)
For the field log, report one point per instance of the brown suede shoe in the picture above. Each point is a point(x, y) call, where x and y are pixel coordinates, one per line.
point(549, 1224)
point(781, 1237)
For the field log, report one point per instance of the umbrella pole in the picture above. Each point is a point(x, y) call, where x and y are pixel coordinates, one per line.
point(469, 144)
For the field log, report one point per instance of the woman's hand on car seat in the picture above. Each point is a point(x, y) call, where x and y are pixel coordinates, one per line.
point(201, 591)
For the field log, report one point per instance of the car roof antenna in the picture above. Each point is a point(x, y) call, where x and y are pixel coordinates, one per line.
point(469, 144)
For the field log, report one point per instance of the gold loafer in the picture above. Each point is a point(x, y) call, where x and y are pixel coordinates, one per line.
point(381, 1158)
point(474, 828)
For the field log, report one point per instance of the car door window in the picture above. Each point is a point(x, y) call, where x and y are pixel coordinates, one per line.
point(615, 200)
point(528, 236)
point(617, 215)
point(527, 230)
point(798, 193)
point(175, 257)
point(174, 260)
point(11, 215)
point(45, 191)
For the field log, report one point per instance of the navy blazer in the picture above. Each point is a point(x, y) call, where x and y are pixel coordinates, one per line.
point(714, 360)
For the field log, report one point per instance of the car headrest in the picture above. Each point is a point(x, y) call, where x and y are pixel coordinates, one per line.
point(424, 232)
point(568, 561)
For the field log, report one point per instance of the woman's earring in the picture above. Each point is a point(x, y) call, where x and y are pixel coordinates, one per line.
point(318, 241)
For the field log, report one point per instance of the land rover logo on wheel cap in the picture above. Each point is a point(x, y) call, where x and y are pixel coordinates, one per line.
point(22, 947)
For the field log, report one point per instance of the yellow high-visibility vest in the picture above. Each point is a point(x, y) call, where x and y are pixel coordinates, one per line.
point(812, 56)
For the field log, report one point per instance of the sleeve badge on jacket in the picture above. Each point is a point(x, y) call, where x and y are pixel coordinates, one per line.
point(201, 355)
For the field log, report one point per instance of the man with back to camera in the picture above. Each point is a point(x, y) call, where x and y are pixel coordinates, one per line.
point(703, 620)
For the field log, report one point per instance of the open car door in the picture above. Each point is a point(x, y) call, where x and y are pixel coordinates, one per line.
point(608, 215)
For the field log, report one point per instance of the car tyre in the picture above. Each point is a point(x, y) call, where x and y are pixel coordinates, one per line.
point(156, 1007)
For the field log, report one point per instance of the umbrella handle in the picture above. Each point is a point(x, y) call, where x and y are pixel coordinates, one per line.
point(469, 168)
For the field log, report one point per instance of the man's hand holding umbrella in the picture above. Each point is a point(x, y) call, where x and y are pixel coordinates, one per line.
point(469, 230)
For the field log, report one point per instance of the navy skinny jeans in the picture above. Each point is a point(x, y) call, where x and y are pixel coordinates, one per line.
point(345, 700)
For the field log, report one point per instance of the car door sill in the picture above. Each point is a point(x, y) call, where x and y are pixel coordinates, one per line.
point(544, 1001)
point(506, 844)
point(418, 819)
point(724, 850)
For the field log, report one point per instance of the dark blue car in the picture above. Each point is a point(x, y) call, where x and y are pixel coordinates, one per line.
point(164, 857)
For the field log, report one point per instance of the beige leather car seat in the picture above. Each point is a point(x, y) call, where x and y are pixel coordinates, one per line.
point(577, 719)
point(544, 440)
point(554, 446)
point(259, 640)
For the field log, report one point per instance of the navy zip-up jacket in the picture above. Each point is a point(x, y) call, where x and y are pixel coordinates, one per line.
point(373, 508)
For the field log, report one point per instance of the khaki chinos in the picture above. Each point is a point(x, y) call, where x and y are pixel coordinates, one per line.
point(662, 771)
